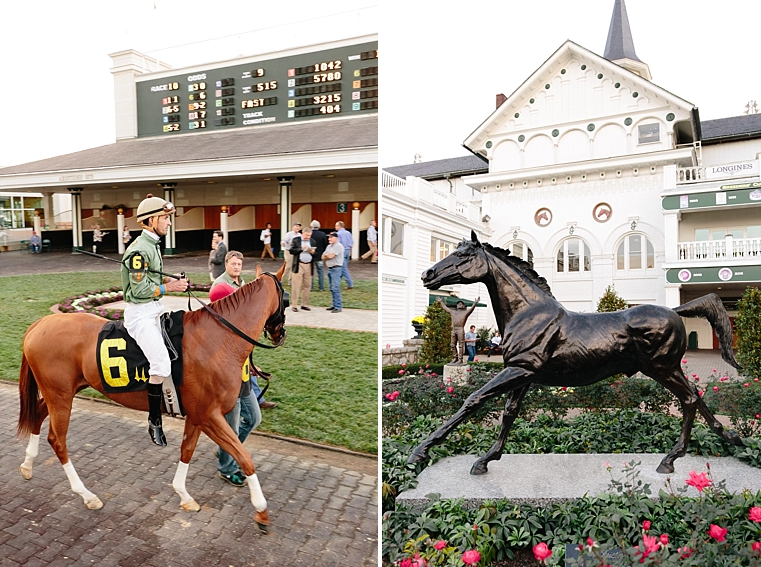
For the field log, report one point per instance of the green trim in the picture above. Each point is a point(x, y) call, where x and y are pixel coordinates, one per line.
point(547, 86)
point(617, 85)
point(488, 144)
point(702, 274)
point(517, 114)
point(451, 300)
point(521, 138)
point(738, 194)
point(590, 127)
point(531, 101)
point(670, 116)
point(583, 67)
point(555, 133)
point(599, 75)
point(562, 71)
point(635, 94)
point(628, 121)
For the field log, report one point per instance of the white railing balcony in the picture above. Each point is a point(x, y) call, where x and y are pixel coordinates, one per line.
point(729, 248)
point(689, 175)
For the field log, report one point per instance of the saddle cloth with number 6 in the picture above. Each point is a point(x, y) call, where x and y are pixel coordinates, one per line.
point(122, 364)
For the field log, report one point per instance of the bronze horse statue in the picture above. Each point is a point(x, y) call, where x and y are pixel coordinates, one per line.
point(59, 360)
point(543, 343)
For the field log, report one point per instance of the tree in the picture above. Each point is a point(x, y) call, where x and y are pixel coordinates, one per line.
point(748, 329)
point(437, 336)
point(611, 301)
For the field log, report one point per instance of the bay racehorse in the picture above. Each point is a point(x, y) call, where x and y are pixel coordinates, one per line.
point(543, 343)
point(58, 360)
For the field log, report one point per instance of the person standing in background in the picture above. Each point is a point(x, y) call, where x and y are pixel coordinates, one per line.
point(126, 236)
point(217, 255)
point(266, 237)
point(285, 244)
point(302, 248)
point(347, 241)
point(372, 242)
point(321, 242)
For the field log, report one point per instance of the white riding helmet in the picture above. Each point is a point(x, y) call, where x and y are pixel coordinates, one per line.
point(153, 207)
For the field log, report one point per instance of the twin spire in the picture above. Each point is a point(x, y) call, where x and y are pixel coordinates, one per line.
point(619, 48)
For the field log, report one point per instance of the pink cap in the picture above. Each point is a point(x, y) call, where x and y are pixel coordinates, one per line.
point(220, 290)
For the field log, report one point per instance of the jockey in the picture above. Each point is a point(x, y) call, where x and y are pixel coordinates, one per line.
point(143, 288)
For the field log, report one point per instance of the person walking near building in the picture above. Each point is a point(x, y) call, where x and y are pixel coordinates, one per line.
point(126, 236)
point(266, 238)
point(217, 255)
point(470, 343)
point(97, 237)
point(372, 242)
point(334, 259)
point(302, 249)
point(285, 245)
point(143, 288)
point(321, 242)
point(347, 241)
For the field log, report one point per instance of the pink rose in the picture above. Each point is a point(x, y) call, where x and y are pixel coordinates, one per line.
point(756, 546)
point(439, 545)
point(755, 514)
point(542, 552)
point(664, 539)
point(401, 372)
point(699, 481)
point(685, 552)
point(646, 525)
point(471, 557)
point(450, 390)
point(717, 532)
point(684, 361)
point(715, 388)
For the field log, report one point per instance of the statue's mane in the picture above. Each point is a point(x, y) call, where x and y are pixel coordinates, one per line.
point(521, 265)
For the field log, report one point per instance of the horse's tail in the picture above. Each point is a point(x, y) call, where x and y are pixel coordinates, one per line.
point(31, 410)
point(710, 307)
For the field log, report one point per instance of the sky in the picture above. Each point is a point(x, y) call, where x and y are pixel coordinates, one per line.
point(442, 67)
point(56, 87)
point(441, 64)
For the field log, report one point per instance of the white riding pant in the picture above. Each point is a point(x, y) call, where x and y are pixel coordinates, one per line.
point(142, 323)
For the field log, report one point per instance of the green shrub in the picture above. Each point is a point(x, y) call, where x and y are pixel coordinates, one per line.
point(482, 342)
point(611, 301)
point(741, 401)
point(437, 336)
point(748, 329)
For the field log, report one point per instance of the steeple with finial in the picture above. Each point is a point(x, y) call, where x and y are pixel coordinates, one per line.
point(619, 48)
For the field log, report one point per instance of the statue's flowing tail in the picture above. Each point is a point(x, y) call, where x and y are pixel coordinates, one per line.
point(710, 307)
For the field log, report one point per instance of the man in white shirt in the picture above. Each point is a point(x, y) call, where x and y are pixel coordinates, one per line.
point(285, 243)
point(266, 238)
point(372, 242)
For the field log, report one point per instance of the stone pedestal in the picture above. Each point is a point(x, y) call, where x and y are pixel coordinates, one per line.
point(456, 374)
point(408, 354)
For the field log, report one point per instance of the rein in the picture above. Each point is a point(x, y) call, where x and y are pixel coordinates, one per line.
point(276, 318)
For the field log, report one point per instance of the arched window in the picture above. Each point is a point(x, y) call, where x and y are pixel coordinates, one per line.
point(521, 250)
point(573, 256)
point(635, 253)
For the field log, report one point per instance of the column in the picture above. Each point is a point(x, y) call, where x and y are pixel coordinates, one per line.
point(355, 230)
point(171, 243)
point(223, 214)
point(285, 207)
point(671, 235)
point(76, 217)
point(47, 204)
point(120, 229)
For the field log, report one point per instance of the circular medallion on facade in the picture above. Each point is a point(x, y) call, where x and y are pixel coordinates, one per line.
point(488, 144)
point(543, 217)
point(602, 212)
point(531, 101)
point(684, 275)
point(628, 121)
point(670, 116)
point(725, 274)
point(583, 67)
point(521, 138)
point(617, 85)
point(517, 114)
point(555, 133)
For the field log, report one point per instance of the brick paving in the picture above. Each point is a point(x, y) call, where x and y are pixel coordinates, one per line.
point(323, 504)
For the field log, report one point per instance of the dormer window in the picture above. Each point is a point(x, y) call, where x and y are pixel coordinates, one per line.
point(649, 133)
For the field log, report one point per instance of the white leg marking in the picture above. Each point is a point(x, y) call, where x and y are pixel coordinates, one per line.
point(257, 497)
point(32, 450)
point(186, 500)
point(91, 501)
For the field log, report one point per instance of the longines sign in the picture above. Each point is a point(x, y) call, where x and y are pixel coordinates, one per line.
point(744, 169)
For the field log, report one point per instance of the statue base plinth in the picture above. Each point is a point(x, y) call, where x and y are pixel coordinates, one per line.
point(456, 374)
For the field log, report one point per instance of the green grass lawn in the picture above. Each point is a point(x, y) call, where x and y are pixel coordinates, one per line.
point(325, 381)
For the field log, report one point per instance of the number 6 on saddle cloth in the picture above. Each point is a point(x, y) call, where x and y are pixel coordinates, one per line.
point(124, 368)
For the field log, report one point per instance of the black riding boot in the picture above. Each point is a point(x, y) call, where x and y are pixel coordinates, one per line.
point(154, 415)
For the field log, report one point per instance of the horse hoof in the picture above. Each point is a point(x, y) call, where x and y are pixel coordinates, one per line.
point(262, 520)
point(94, 504)
point(479, 468)
point(190, 506)
point(26, 473)
point(417, 457)
point(664, 468)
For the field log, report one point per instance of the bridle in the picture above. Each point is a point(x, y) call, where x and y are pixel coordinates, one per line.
point(276, 320)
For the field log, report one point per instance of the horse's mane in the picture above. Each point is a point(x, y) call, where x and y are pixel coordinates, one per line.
point(521, 265)
point(230, 303)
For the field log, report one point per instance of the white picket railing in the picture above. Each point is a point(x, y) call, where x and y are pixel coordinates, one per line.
point(713, 249)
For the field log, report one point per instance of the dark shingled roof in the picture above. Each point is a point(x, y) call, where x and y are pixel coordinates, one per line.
point(620, 44)
point(735, 127)
point(300, 137)
point(441, 168)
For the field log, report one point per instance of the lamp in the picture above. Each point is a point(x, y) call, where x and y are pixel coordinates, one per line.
point(485, 218)
point(355, 204)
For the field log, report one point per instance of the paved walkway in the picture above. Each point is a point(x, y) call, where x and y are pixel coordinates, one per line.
point(323, 504)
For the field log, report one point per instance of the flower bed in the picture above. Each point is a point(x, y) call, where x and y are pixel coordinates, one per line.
point(93, 301)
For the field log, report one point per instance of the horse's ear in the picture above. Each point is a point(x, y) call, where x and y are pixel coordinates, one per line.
point(474, 238)
point(259, 271)
point(280, 272)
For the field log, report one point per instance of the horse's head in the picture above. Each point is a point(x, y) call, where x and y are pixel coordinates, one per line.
point(467, 264)
point(274, 327)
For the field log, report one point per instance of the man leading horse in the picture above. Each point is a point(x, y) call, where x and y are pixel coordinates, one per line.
point(143, 289)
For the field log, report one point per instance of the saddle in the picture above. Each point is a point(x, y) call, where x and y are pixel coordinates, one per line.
point(124, 368)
